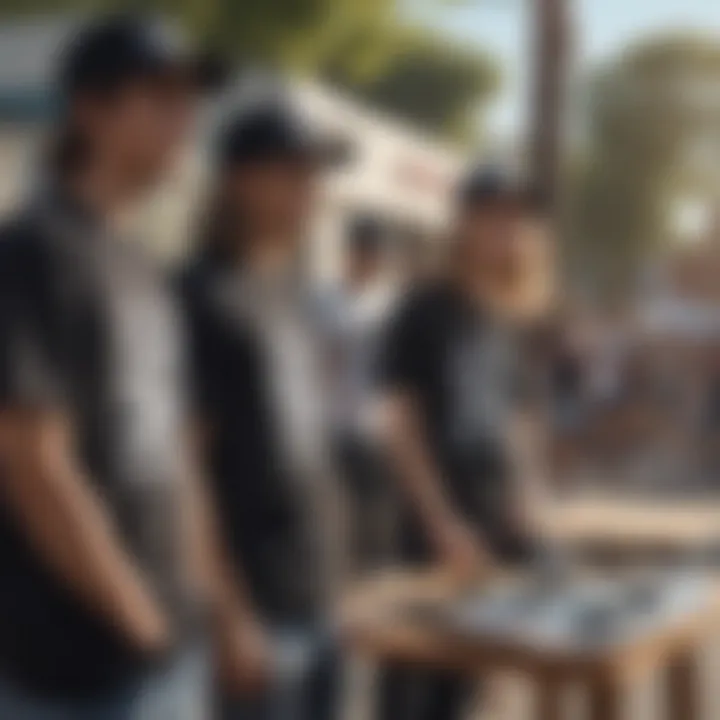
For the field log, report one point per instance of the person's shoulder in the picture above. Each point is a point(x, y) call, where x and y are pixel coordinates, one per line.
point(17, 229)
point(22, 245)
point(329, 293)
point(327, 302)
point(324, 295)
point(182, 277)
point(196, 291)
point(190, 278)
point(424, 300)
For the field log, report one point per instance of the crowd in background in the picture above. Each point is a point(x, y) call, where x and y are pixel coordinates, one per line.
point(633, 409)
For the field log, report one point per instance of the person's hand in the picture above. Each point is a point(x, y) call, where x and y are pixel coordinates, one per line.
point(523, 518)
point(244, 657)
point(459, 549)
point(148, 629)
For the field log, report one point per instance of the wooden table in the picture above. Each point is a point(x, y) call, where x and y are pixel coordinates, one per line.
point(377, 624)
point(632, 528)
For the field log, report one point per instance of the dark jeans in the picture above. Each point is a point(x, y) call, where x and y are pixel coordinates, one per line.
point(179, 692)
point(406, 693)
point(307, 682)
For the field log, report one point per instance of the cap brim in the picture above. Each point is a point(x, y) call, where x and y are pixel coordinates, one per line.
point(520, 199)
point(332, 152)
point(322, 153)
point(211, 72)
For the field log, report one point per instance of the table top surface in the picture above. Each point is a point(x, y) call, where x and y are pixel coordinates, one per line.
point(633, 521)
point(394, 617)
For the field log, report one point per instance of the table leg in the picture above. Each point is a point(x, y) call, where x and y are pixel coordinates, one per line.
point(683, 688)
point(549, 699)
point(606, 700)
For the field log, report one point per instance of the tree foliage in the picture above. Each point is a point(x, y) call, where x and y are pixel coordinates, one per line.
point(440, 88)
point(360, 45)
point(652, 141)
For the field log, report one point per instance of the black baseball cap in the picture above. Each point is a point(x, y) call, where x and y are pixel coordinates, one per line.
point(108, 52)
point(489, 186)
point(271, 129)
point(366, 234)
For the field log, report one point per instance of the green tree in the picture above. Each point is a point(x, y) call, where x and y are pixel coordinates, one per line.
point(652, 140)
point(439, 87)
point(361, 45)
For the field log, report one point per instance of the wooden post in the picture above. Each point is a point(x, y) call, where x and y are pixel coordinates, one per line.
point(549, 699)
point(607, 699)
point(683, 687)
point(551, 40)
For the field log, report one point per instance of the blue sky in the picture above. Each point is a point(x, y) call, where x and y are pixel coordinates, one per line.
point(604, 27)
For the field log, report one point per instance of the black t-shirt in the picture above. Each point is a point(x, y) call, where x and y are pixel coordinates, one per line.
point(87, 327)
point(567, 376)
point(460, 366)
point(257, 494)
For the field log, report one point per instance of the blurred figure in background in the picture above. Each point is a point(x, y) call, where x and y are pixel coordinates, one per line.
point(709, 415)
point(456, 427)
point(107, 558)
point(567, 381)
point(418, 258)
point(257, 360)
point(355, 315)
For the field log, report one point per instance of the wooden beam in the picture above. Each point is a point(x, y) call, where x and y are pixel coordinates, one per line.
point(683, 687)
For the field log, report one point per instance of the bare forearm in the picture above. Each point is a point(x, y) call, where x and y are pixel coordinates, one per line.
point(241, 654)
point(67, 525)
point(419, 482)
point(417, 475)
point(221, 583)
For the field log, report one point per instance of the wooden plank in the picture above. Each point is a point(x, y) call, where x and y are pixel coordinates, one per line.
point(549, 698)
point(683, 687)
point(606, 699)
point(623, 522)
